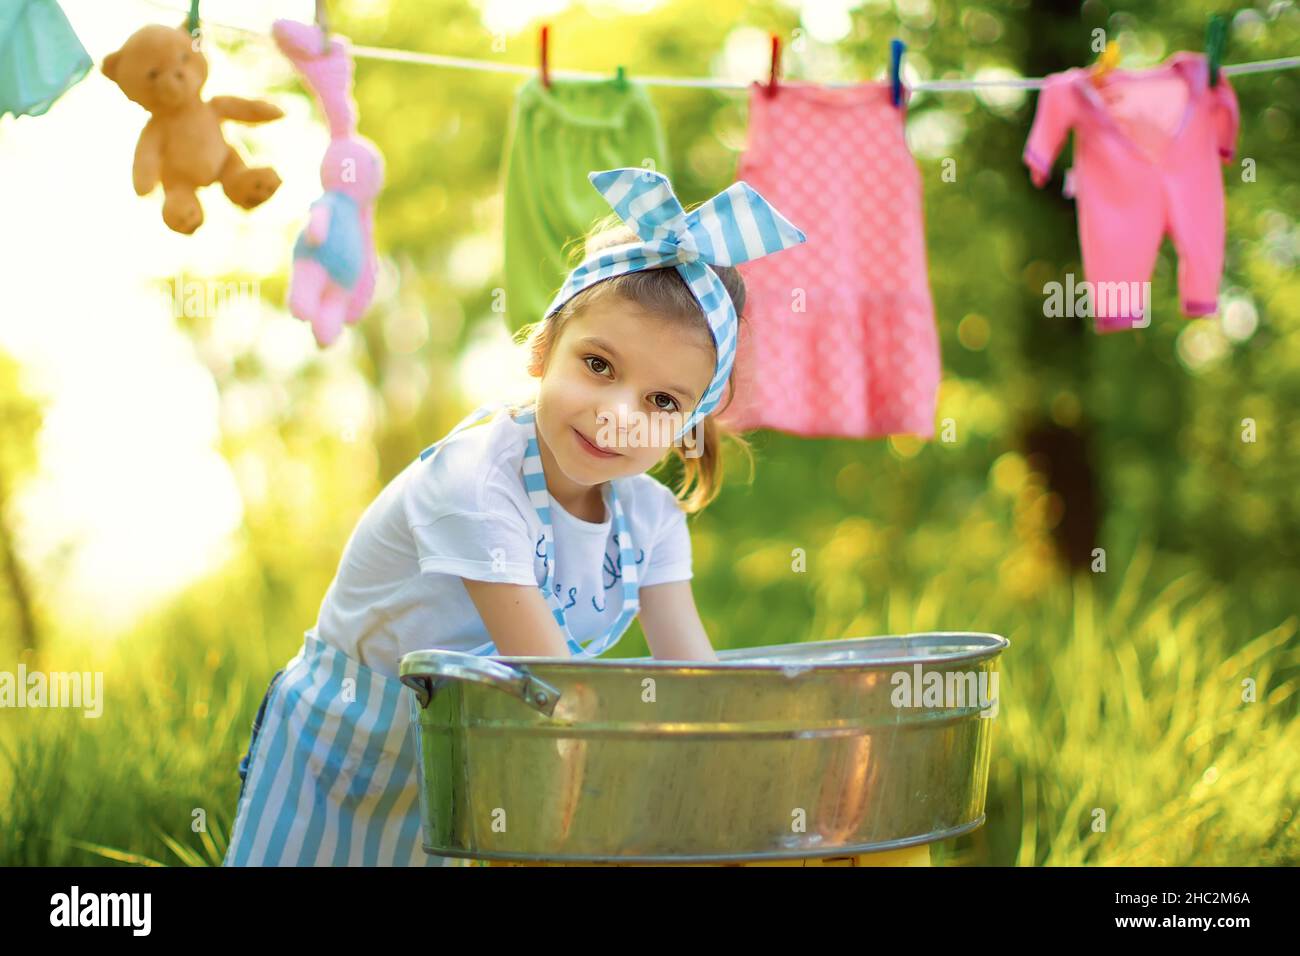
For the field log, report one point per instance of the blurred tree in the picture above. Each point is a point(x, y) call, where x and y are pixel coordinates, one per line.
point(1060, 350)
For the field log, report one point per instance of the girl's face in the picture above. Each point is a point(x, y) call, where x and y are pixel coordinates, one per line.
point(623, 380)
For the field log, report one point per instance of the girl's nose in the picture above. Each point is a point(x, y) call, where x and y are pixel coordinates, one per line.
point(613, 420)
point(617, 413)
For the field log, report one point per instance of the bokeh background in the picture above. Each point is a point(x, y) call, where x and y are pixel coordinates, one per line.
point(176, 489)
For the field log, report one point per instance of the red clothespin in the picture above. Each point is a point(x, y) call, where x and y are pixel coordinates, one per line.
point(546, 44)
point(776, 65)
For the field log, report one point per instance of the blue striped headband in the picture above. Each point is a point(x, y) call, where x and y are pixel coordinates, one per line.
point(737, 225)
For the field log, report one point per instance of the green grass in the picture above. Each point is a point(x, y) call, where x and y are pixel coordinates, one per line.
point(1136, 709)
point(1130, 704)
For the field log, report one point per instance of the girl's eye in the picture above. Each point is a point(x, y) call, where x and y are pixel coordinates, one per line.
point(153, 74)
point(601, 365)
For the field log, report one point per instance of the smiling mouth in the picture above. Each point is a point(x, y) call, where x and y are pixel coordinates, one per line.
point(593, 449)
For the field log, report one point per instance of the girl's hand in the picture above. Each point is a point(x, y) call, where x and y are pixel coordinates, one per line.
point(517, 619)
point(672, 625)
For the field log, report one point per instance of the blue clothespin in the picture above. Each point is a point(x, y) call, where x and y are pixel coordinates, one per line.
point(896, 48)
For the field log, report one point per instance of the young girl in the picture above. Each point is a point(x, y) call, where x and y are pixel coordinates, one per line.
point(538, 534)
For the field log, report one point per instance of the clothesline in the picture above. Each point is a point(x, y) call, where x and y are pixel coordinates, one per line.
point(712, 83)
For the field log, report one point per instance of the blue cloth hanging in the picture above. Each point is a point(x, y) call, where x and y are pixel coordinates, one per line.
point(40, 56)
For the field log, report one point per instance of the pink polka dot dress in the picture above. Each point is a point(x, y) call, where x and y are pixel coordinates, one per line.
point(839, 338)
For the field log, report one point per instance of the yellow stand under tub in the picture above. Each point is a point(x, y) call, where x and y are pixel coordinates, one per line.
point(906, 856)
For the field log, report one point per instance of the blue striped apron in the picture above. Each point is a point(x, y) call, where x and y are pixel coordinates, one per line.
point(334, 776)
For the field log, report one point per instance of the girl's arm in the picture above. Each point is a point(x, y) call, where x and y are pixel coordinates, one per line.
point(517, 619)
point(672, 625)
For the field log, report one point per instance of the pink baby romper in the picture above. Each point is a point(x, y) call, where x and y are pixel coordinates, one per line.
point(1147, 147)
point(839, 336)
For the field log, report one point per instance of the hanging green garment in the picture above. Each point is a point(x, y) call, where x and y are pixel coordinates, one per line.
point(40, 57)
point(557, 136)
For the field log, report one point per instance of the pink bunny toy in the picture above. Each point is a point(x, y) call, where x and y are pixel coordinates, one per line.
point(334, 260)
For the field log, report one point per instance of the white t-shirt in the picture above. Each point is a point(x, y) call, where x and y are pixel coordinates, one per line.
point(398, 587)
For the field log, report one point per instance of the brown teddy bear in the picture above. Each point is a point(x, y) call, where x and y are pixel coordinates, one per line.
point(182, 145)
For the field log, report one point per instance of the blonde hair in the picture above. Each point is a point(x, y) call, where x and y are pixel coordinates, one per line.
point(664, 293)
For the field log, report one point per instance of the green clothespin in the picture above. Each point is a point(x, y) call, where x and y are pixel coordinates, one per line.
point(1216, 42)
point(322, 21)
point(620, 78)
point(192, 22)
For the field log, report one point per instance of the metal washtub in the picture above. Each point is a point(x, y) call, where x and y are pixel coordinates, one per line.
point(782, 752)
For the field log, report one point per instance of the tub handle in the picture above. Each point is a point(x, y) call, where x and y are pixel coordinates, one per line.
point(430, 669)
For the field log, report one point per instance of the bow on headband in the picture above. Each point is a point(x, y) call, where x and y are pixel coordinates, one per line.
point(737, 225)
